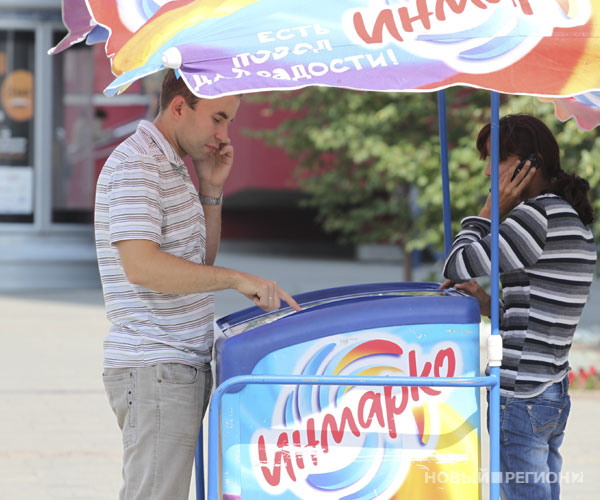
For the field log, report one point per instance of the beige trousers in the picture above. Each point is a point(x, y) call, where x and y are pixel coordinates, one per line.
point(159, 410)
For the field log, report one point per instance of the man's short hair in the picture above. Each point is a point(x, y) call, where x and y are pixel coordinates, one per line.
point(172, 87)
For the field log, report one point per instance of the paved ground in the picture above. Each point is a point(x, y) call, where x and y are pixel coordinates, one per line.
point(58, 438)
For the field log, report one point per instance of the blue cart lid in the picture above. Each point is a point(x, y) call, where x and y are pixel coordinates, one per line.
point(252, 317)
point(332, 311)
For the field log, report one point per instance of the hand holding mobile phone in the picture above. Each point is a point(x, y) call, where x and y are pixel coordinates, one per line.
point(532, 159)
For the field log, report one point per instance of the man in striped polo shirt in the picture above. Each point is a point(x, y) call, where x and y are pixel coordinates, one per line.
point(547, 262)
point(157, 239)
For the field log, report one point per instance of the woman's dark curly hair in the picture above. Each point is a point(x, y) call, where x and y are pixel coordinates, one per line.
point(521, 135)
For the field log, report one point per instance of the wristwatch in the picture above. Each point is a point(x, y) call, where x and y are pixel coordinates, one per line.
point(211, 200)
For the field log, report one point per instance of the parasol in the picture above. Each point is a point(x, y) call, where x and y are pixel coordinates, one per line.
point(547, 48)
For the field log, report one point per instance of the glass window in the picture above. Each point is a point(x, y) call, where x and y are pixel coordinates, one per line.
point(16, 125)
point(87, 126)
point(76, 126)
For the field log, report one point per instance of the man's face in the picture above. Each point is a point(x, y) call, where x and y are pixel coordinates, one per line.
point(202, 130)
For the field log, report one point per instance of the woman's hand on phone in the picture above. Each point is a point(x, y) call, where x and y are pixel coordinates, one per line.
point(512, 190)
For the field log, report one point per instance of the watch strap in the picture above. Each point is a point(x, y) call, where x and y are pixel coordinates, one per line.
point(211, 200)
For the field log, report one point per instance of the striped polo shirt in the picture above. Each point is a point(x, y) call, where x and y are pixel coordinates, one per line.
point(547, 262)
point(145, 192)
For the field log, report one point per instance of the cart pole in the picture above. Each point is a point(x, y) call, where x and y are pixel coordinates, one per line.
point(495, 477)
point(199, 466)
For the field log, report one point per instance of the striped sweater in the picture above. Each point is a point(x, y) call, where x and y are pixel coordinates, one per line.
point(547, 262)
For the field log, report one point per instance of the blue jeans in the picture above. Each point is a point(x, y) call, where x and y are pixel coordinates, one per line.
point(531, 431)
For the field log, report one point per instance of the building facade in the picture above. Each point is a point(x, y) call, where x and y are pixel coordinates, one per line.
point(57, 129)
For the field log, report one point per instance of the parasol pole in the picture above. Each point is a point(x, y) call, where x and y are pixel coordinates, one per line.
point(495, 341)
point(441, 97)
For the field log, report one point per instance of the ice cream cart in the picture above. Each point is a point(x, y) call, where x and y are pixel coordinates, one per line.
point(308, 439)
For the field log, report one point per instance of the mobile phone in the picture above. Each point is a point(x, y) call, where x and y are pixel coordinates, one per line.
point(532, 158)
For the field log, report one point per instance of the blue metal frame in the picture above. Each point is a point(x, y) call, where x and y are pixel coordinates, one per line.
point(232, 383)
point(199, 465)
point(494, 400)
point(495, 287)
point(492, 381)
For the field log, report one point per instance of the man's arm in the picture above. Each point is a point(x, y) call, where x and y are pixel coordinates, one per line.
point(212, 173)
point(212, 217)
point(148, 266)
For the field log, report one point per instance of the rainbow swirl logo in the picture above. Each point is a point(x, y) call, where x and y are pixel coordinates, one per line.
point(364, 443)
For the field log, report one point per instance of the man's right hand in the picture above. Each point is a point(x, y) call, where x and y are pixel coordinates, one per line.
point(473, 289)
point(266, 294)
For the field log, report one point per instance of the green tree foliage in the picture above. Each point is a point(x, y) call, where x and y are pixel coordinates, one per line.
point(371, 161)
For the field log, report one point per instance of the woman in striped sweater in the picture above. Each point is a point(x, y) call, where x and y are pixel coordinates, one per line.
point(547, 261)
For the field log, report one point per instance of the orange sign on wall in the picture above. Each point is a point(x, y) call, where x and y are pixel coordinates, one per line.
point(17, 95)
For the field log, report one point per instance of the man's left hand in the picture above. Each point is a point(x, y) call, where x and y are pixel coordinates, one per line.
point(213, 169)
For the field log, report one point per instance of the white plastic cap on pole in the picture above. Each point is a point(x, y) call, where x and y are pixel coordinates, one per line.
point(495, 350)
point(171, 58)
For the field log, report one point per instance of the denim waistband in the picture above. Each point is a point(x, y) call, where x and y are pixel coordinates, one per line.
point(561, 388)
point(556, 391)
